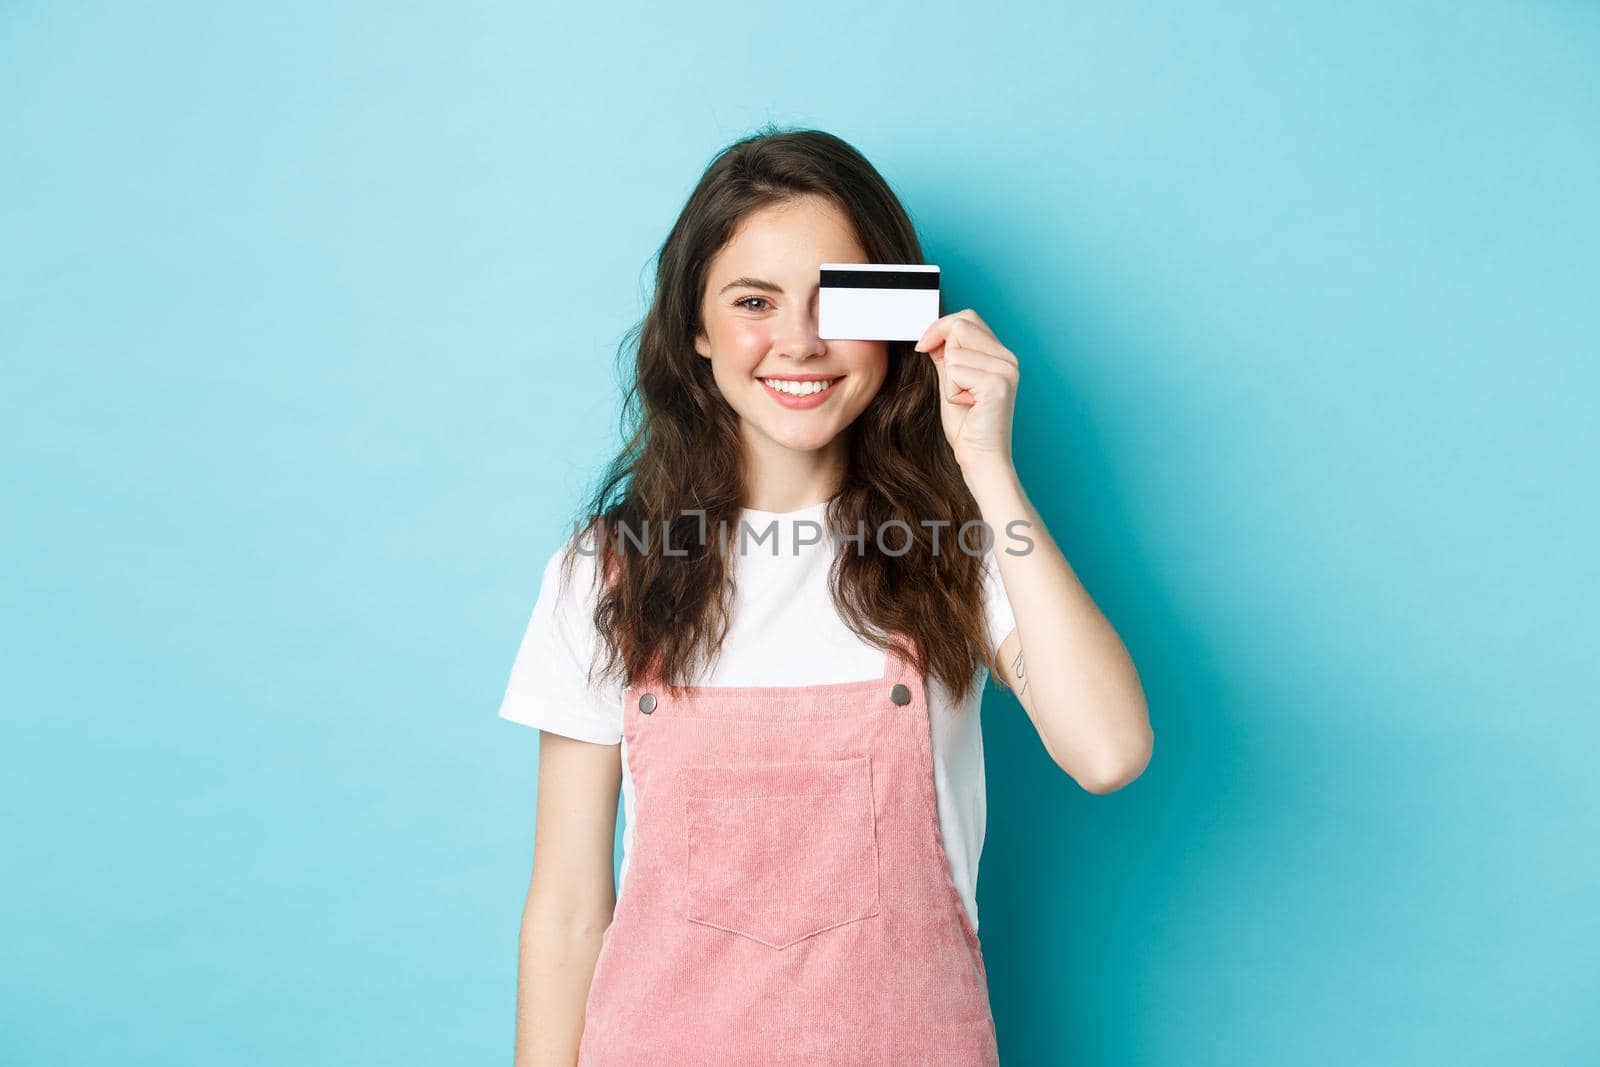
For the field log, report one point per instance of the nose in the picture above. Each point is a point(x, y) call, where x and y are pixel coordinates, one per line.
point(799, 339)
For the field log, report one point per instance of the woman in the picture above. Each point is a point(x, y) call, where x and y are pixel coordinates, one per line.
point(782, 667)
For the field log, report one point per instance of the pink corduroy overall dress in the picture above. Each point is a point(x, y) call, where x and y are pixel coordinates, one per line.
point(788, 898)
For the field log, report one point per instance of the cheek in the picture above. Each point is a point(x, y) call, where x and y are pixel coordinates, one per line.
point(875, 367)
point(870, 360)
point(743, 342)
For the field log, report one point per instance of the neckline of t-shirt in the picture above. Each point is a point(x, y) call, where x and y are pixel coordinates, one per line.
point(798, 513)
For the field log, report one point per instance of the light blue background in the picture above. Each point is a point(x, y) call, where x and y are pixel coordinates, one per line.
point(307, 319)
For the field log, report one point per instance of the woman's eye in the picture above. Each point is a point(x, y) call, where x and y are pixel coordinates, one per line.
point(746, 301)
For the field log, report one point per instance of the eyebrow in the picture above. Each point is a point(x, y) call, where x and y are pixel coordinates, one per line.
point(751, 283)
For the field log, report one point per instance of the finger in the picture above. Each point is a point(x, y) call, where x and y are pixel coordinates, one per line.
point(972, 317)
point(949, 391)
point(956, 353)
point(934, 335)
point(978, 338)
point(938, 330)
point(977, 372)
point(965, 324)
point(957, 392)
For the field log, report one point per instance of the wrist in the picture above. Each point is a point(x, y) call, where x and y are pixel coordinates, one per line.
point(992, 477)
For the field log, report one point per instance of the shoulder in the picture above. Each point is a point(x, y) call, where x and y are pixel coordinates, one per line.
point(570, 571)
point(555, 681)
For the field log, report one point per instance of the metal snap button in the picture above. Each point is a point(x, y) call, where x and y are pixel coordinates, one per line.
point(647, 703)
point(900, 695)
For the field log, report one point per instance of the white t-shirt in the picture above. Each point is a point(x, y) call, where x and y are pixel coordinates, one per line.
point(784, 630)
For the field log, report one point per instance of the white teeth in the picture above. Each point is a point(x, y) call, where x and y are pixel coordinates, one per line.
point(798, 388)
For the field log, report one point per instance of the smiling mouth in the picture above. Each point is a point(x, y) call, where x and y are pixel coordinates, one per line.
point(789, 387)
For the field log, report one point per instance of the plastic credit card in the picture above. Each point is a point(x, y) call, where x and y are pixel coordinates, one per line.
point(876, 301)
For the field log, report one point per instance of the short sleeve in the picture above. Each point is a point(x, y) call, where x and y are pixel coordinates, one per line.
point(996, 605)
point(549, 687)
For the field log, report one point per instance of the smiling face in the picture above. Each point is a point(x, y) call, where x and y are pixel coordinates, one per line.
point(793, 391)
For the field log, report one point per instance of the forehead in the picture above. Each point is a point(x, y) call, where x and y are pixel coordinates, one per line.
point(795, 235)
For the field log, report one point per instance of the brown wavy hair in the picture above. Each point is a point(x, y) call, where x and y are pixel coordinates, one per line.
point(663, 614)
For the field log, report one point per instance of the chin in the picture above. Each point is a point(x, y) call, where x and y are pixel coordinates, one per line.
point(806, 443)
point(799, 439)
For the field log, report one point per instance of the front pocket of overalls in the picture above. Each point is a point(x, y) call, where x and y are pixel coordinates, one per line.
point(779, 852)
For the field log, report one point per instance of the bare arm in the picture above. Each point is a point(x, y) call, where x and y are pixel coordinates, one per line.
point(1078, 684)
point(570, 896)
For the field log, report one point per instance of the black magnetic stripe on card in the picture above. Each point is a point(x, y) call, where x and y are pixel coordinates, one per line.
point(880, 279)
